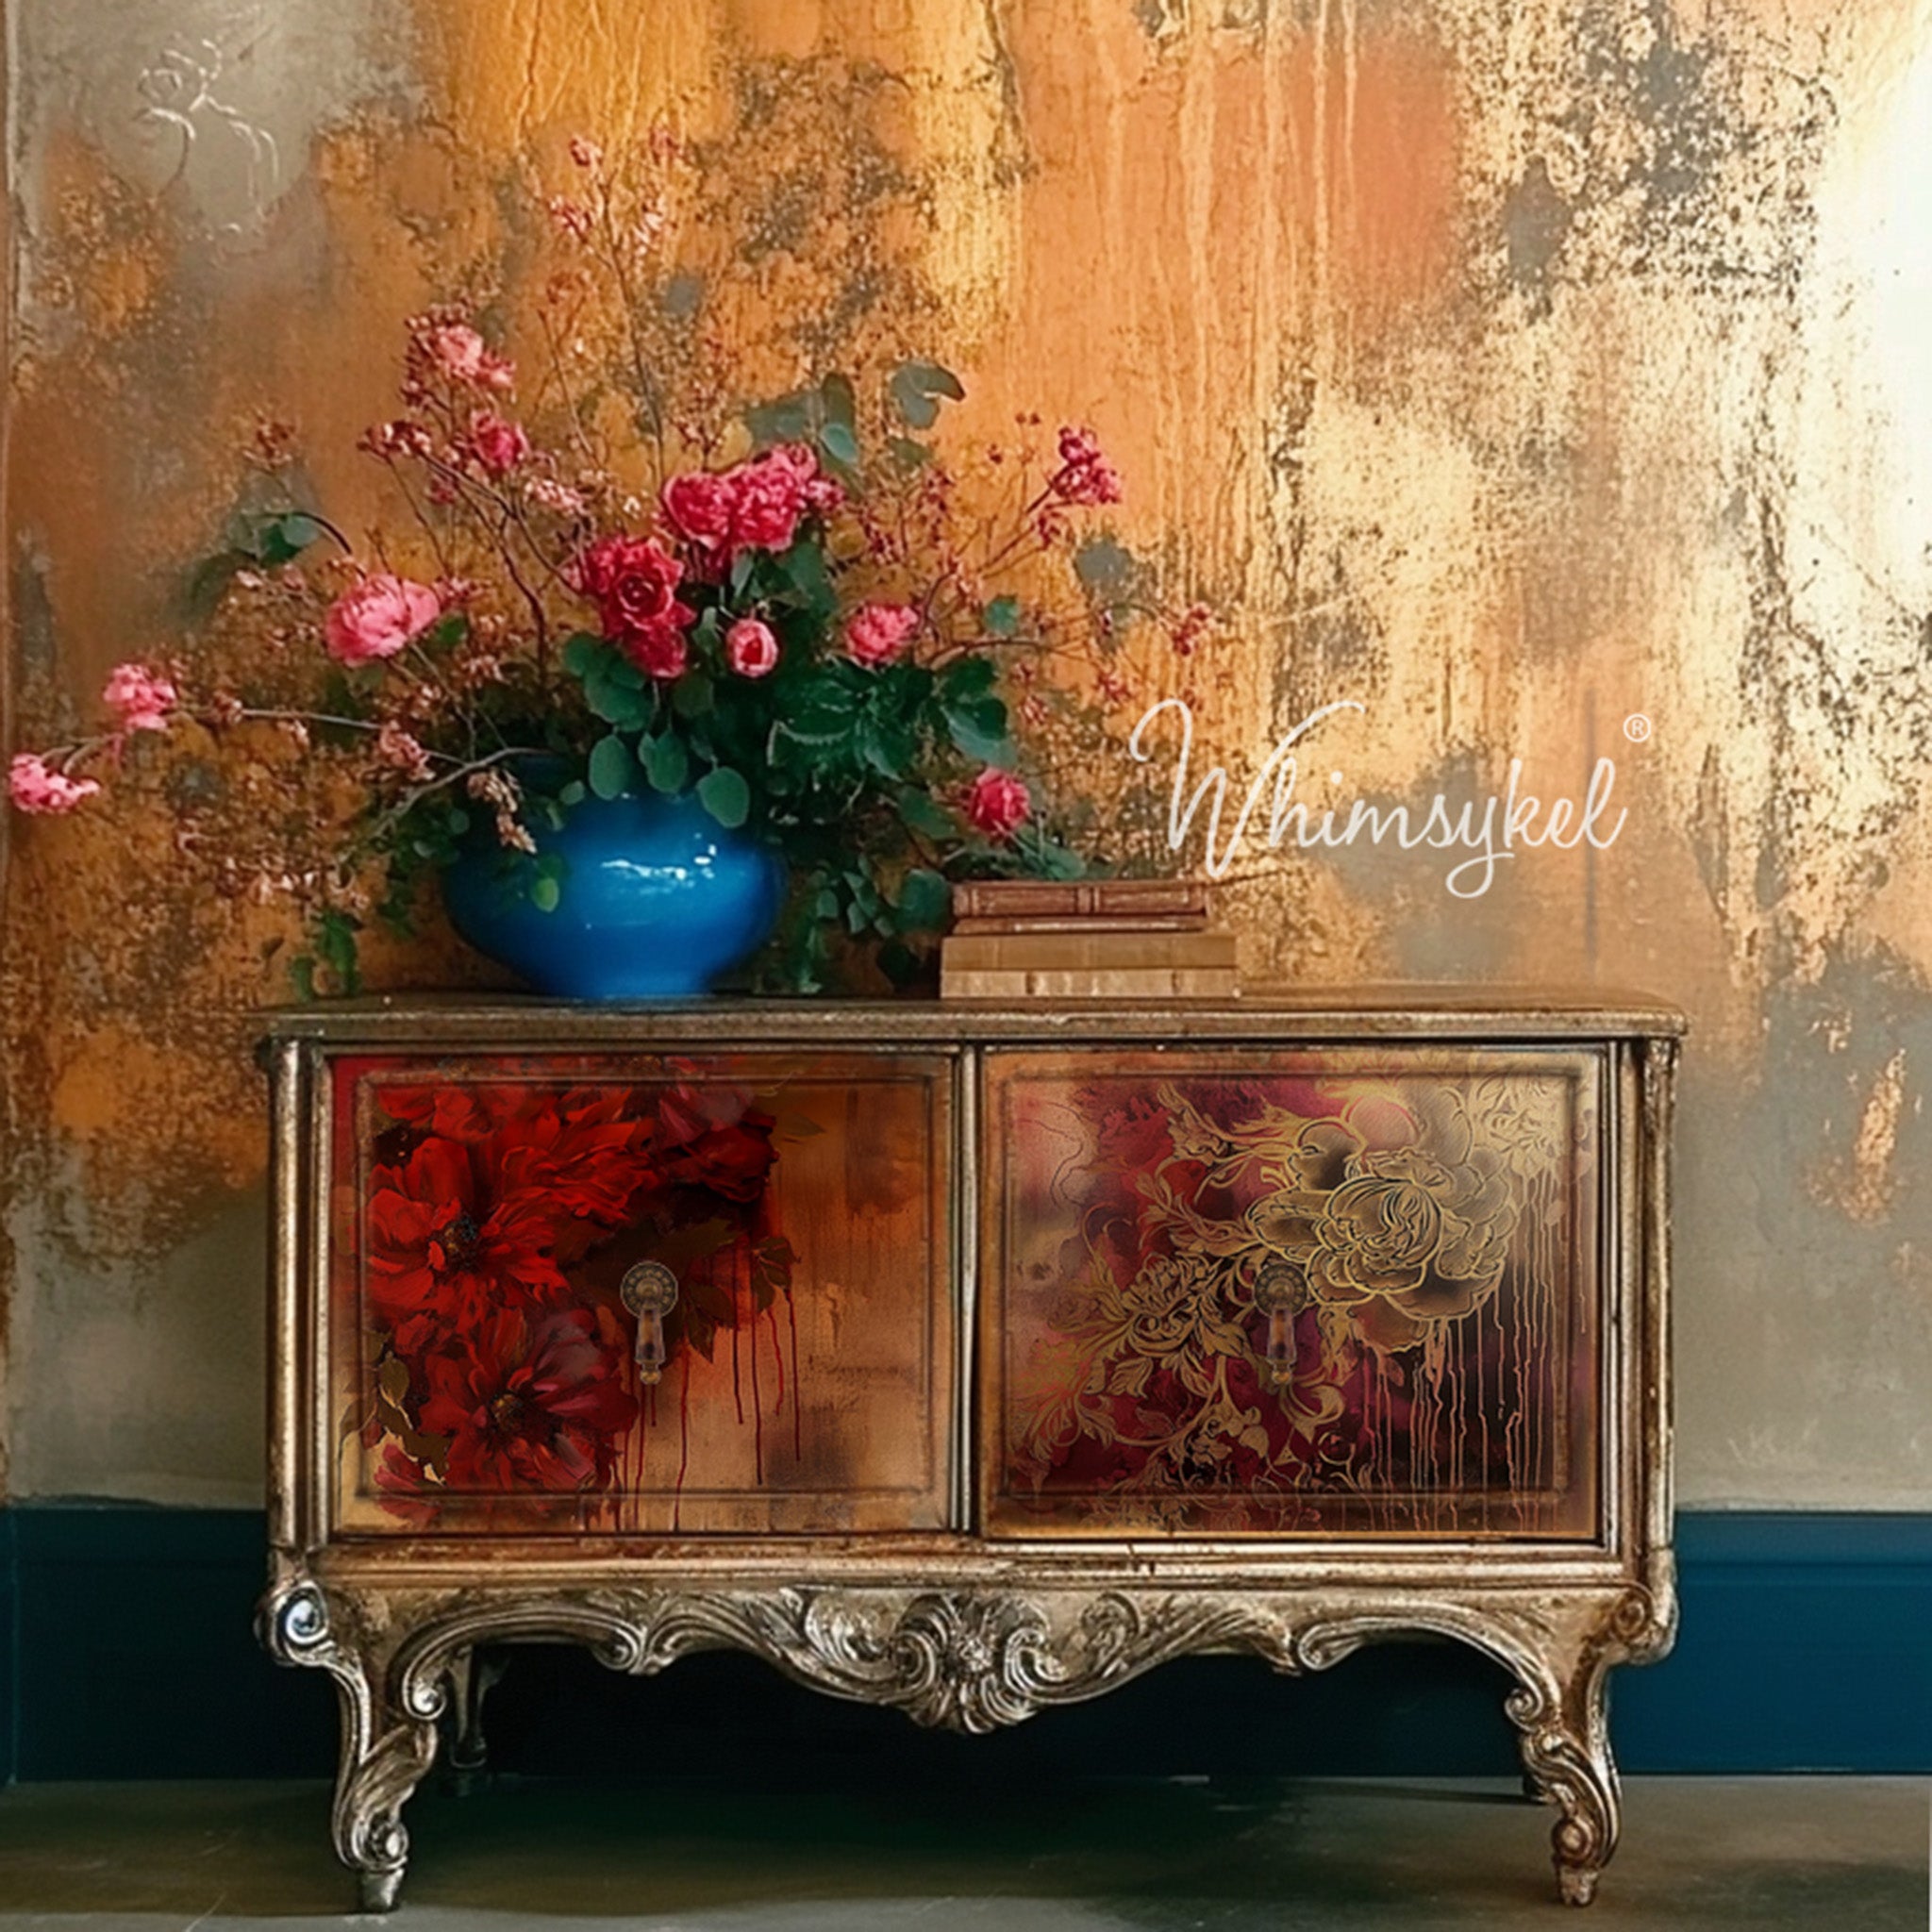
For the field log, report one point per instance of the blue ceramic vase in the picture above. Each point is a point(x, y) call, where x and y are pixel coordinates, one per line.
point(656, 901)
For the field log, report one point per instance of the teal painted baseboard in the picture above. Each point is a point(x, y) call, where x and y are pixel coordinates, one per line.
point(127, 1649)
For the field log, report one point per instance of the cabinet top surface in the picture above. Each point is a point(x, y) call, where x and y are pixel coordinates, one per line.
point(1449, 1012)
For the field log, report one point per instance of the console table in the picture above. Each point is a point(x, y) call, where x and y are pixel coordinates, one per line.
point(969, 1359)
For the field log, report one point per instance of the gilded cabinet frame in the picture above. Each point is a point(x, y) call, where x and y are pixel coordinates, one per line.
point(961, 1627)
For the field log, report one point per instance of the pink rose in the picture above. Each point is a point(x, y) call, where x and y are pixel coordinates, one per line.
point(699, 506)
point(633, 582)
point(34, 785)
point(816, 493)
point(767, 500)
point(997, 803)
point(755, 504)
point(658, 649)
point(139, 699)
point(875, 633)
point(377, 618)
point(750, 648)
point(464, 357)
point(498, 445)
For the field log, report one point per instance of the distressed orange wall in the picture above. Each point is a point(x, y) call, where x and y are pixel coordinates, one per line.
point(1510, 369)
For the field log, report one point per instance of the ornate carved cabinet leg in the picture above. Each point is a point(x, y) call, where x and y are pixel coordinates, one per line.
point(473, 1674)
point(386, 1752)
point(388, 1736)
point(1567, 1762)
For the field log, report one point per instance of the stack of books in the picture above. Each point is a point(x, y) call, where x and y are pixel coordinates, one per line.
point(1104, 939)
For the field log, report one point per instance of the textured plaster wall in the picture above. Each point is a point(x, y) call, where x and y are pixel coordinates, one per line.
point(1510, 368)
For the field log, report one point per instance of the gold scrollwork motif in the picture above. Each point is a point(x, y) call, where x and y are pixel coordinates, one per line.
point(969, 1660)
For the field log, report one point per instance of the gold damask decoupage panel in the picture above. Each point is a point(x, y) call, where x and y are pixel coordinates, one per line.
point(1341, 1290)
point(487, 1210)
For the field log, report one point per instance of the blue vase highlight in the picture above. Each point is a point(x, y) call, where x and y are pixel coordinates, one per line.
point(657, 900)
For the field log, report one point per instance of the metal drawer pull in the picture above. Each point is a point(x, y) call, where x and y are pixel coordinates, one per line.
point(1278, 1295)
point(650, 1293)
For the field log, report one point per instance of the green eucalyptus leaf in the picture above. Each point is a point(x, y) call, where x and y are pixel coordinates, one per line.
point(724, 794)
point(1002, 617)
point(784, 419)
point(838, 442)
point(692, 696)
point(621, 705)
point(914, 386)
point(280, 540)
point(667, 764)
point(924, 900)
point(923, 814)
point(546, 894)
point(978, 727)
point(581, 650)
point(571, 794)
point(612, 769)
point(839, 400)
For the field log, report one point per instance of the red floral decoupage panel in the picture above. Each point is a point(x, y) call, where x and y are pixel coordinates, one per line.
point(1344, 1290)
point(487, 1211)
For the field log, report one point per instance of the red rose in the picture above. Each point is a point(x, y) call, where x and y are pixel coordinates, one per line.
point(698, 506)
point(633, 581)
point(657, 649)
point(767, 500)
point(876, 633)
point(819, 494)
point(750, 648)
point(997, 803)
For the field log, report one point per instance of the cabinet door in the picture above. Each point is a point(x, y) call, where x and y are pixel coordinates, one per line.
point(1342, 1290)
point(485, 1368)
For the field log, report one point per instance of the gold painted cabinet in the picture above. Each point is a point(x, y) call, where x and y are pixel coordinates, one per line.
point(966, 1360)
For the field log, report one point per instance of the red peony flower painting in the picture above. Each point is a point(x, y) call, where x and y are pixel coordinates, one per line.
point(490, 1233)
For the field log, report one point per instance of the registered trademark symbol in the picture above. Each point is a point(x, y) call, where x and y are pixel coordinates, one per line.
point(1636, 727)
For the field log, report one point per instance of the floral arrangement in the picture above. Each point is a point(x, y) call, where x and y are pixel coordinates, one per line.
point(605, 579)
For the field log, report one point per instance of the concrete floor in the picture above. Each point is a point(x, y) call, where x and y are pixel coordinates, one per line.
point(1753, 1855)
